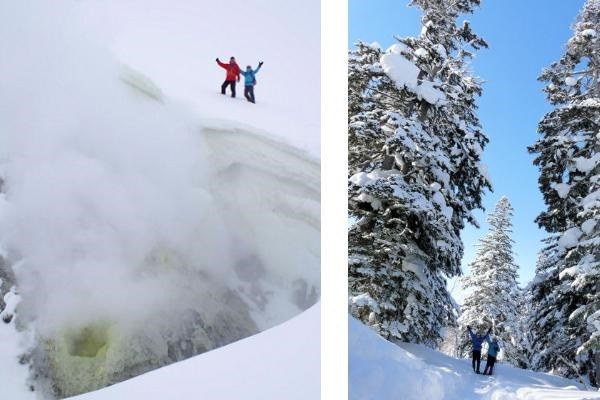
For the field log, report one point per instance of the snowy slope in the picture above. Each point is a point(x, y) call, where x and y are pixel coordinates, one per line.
point(280, 363)
point(380, 370)
point(176, 43)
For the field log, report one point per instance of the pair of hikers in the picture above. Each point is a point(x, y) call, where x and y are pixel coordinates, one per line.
point(233, 75)
point(493, 349)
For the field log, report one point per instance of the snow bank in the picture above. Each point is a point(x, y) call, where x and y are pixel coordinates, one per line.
point(280, 363)
point(380, 370)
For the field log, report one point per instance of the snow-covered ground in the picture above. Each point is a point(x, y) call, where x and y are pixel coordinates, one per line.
point(176, 43)
point(280, 363)
point(148, 218)
point(380, 370)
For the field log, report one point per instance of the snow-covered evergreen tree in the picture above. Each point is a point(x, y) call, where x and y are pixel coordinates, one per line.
point(365, 80)
point(568, 155)
point(524, 339)
point(551, 347)
point(494, 294)
point(415, 174)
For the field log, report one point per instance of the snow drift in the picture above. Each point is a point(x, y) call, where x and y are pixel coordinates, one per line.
point(381, 370)
point(137, 236)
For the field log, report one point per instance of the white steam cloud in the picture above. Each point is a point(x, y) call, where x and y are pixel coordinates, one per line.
point(94, 181)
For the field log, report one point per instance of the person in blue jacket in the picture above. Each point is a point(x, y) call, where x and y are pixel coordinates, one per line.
point(493, 349)
point(250, 81)
point(477, 341)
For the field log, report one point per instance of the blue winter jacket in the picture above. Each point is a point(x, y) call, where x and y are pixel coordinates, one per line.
point(249, 76)
point(478, 340)
point(493, 348)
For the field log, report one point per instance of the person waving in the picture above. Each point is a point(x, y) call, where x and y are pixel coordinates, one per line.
point(250, 81)
point(233, 75)
point(477, 340)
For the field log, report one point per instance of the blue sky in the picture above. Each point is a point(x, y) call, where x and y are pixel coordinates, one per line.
point(524, 37)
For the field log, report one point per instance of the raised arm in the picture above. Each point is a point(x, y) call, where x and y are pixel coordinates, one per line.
point(222, 65)
point(487, 334)
point(258, 69)
point(471, 334)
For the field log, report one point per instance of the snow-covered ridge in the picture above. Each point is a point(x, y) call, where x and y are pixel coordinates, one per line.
point(176, 45)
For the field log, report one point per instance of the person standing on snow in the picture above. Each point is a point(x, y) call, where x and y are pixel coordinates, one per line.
point(250, 81)
point(477, 341)
point(233, 75)
point(493, 349)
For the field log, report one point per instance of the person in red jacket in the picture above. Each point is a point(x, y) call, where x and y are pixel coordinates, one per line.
point(233, 75)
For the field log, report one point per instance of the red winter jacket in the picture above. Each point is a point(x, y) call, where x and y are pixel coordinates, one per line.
point(233, 70)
